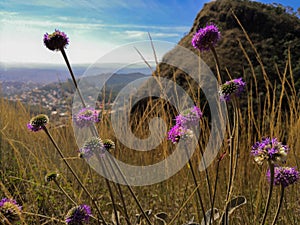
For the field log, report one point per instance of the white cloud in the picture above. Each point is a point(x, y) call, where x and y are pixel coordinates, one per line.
point(143, 35)
point(15, 19)
point(21, 35)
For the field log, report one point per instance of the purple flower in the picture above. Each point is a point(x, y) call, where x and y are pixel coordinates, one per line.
point(284, 176)
point(185, 122)
point(56, 41)
point(78, 215)
point(10, 209)
point(93, 145)
point(85, 153)
point(231, 89)
point(189, 118)
point(177, 132)
point(86, 117)
point(38, 122)
point(206, 37)
point(269, 149)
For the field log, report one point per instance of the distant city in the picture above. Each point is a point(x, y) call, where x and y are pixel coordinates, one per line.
point(51, 90)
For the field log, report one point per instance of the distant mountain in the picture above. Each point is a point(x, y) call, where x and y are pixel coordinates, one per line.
point(45, 74)
point(38, 74)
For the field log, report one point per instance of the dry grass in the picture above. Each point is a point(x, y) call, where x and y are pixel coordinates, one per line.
point(27, 157)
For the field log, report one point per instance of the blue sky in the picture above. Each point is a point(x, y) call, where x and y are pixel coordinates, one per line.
point(94, 27)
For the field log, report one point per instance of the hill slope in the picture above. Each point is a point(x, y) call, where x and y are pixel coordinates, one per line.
point(271, 29)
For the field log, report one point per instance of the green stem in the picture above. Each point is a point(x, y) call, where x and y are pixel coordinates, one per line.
point(62, 50)
point(119, 190)
point(112, 200)
point(206, 174)
point(279, 205)
point(198, 192)
point(196, 186)
point(64, 192)
point(130, 189)
point(234, 142)
point(231, 133)
point(215, 190)
point(109, 189)
point(123, 203)
point(270, 192)
point(74, 174)
point(213, 50)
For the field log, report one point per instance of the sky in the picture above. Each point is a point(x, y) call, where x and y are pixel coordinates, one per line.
point(94, 27)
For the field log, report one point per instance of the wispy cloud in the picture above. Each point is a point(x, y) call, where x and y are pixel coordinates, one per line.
point(15, 19)
point(94, 26)
point(143, 35)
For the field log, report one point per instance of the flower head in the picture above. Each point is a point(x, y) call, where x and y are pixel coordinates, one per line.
point(189, 118)
point(93, 145)
point(206, 37)
point(56, 41)
point(231, 88)
point(38, 122)
point(185, 122)
point(78, 215)
point(51, 176)
point(177, 132)
point(10, 209)
point(86, 117)
point(108, 144)
point(284, 176)
point(269, 149)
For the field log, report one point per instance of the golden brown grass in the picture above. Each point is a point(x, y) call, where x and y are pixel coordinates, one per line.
point(27, 157)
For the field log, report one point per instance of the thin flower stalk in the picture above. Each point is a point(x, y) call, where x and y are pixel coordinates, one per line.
point(57, 41)
point(123, 203)
point(94, 146)
point(101, 162)
point(73, 173)
point(109, 145)
point(196, 185)
point(218, 67)
point(53, 219)
point(183, 129)
point(72, 75)
point(64, 192)
point(53, 177)
point(271, 166)
point(234, 148)
point(279, 205)
point(215, 186)
point(115, 164)
point(183, 205)
point(206, 175)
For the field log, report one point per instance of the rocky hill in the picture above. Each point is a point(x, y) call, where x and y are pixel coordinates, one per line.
point(274, 32)
point(270, 27)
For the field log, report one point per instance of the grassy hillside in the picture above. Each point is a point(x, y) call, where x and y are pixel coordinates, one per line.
point(272, 31)
point(26, 157)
